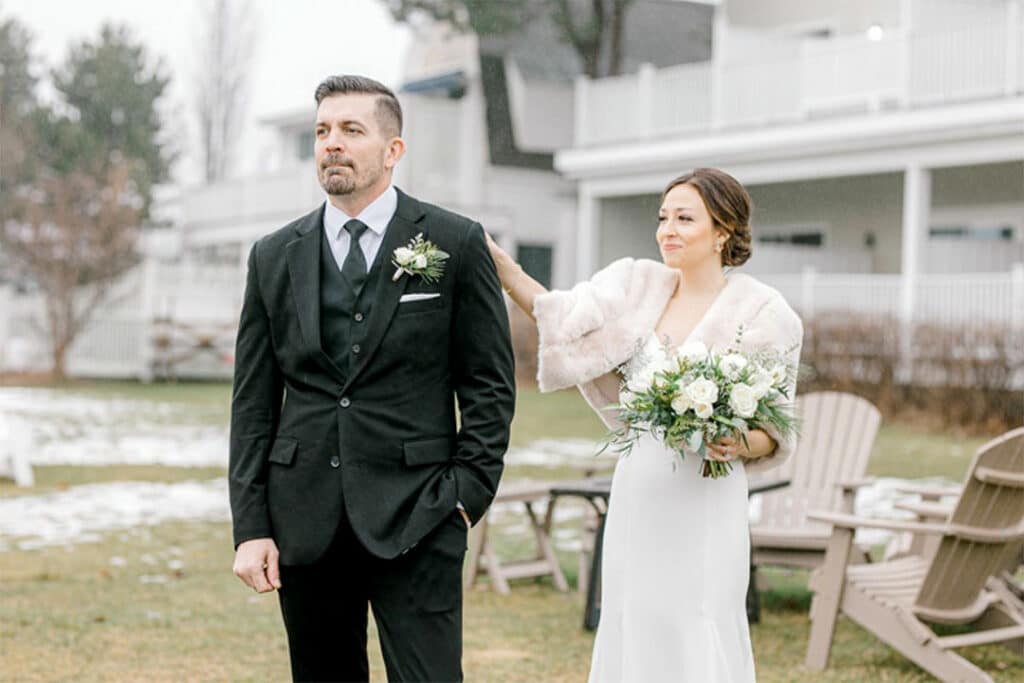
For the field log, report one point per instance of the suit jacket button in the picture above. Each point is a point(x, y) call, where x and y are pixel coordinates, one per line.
point(345, 403)
point(358, 317)
point(335, 462)
point(356, 348)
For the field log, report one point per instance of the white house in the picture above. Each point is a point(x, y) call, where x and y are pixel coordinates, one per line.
point(483, 121)
point(882, 142)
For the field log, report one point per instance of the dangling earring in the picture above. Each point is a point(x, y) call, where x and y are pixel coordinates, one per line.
point(718, 248)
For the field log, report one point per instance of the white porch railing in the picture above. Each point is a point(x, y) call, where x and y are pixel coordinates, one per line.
point(976, 299)
point(799, 78)
point(787, 258)
point(120, 339)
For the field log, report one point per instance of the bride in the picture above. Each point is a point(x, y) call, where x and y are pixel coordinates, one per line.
point(676, 545)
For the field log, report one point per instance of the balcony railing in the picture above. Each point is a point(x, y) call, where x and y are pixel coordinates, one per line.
point(800, 79)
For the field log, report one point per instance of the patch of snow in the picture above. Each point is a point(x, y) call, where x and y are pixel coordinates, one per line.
point(81, 513)
point(63, 428)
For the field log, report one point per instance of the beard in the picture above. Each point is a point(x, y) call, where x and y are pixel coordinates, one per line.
point(336, 182)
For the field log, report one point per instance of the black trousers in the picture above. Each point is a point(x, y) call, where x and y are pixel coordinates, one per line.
point(416, 600)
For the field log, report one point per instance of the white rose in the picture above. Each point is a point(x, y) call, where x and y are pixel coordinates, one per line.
point(403, 255)
point(703, 410)
point(641, 381)
point(693, 352)
point(420, 262)
point(680, 404)
point(743, 401)
point(760, 382)
point(778, 374)
point(732, 365)
point(702, 391)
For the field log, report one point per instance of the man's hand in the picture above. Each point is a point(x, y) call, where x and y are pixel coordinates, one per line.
point(256, 565)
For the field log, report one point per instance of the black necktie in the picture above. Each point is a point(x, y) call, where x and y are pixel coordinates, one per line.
point(354, 268)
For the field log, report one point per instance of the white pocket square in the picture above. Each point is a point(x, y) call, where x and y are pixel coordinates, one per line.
point(418, 297)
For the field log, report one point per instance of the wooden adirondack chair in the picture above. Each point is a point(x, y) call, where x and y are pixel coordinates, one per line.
point(896, 600)
point(837, 433)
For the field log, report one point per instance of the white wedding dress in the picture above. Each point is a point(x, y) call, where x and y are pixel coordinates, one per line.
point(674, 575)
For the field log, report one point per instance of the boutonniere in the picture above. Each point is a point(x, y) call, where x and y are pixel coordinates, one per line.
point(420, 258)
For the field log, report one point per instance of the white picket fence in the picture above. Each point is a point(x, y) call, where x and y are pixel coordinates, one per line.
point(121, 339)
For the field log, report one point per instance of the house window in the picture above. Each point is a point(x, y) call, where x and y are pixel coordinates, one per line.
point(977, 233)
point(536, 261)
point(304, 145)
point(810, 238)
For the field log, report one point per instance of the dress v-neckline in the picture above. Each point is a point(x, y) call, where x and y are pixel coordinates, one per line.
point(701, 321)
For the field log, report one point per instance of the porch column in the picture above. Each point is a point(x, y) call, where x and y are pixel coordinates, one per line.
point(588, 224)
point(917, 195)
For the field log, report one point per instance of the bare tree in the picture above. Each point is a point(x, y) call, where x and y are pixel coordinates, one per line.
point(593, 28)
point(76, 181)
point(226, 50)
point(77, 233)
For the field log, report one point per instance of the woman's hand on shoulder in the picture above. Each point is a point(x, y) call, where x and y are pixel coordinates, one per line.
point(499, 255)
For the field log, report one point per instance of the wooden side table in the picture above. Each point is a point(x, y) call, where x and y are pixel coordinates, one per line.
point(483, 558)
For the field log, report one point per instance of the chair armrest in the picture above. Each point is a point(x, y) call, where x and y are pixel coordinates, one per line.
point(854, 484)
point(929, 509)
point(930, 491)
point(855, 522)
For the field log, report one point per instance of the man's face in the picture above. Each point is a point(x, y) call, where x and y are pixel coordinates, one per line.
point(352, 152)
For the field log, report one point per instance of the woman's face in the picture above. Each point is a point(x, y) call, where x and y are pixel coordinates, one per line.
point(687, 237)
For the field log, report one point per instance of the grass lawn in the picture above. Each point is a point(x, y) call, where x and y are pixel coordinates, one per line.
point(51, 478)
point(160, 603)
point(125, 610)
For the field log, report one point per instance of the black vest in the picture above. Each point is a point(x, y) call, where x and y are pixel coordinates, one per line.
point(343, 314)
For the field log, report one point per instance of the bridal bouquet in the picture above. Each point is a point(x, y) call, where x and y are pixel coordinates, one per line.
point(693, 396)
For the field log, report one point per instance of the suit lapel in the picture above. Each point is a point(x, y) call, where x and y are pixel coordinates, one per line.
point(403, 227)
point(303, 255)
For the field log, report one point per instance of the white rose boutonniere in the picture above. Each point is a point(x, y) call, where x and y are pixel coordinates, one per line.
point(421, 258)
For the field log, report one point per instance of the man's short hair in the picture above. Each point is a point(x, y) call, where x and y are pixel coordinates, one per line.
point(389, 111)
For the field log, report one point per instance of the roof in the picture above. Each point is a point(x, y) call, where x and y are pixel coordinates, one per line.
point(659, 32)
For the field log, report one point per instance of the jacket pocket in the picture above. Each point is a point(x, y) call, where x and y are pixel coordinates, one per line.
point(283, 451)
point(429, 451)
point(411, 307)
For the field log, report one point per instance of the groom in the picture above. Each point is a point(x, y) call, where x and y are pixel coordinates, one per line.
point(350, 486)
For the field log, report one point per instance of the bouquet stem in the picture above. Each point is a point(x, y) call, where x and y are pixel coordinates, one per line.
point(713, 469)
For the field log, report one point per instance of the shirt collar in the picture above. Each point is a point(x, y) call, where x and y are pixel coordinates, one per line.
point(376, 216)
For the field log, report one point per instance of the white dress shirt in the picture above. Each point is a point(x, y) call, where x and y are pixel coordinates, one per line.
point(376, 216)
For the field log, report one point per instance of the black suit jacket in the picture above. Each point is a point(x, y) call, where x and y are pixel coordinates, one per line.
point(380, 445)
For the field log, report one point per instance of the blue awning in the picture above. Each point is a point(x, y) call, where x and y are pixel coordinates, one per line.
point(451, 84)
